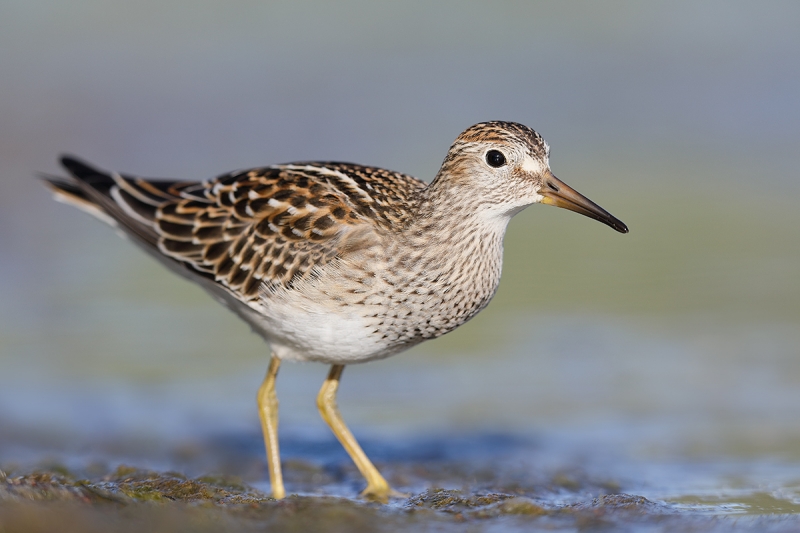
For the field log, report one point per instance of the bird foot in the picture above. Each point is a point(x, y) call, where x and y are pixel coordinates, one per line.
point(381, 494)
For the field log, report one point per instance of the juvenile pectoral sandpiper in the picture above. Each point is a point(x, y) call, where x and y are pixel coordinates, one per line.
point(335, 262)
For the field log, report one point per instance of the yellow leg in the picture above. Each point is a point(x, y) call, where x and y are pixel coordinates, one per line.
point(377, 487)
point(268, 411)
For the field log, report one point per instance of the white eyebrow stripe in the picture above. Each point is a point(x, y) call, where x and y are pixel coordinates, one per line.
point(534, 166)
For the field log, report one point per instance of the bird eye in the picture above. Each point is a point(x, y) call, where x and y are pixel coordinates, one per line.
point(495, 158)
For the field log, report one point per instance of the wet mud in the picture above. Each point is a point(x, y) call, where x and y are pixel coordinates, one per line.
point(324, 497)
point(129, 498)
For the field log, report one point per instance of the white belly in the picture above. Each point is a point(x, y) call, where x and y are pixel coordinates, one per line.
point(323, 320)
point(318, 334)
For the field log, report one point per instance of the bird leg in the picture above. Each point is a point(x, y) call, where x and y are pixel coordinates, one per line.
point(268, 411)
point(377, 487)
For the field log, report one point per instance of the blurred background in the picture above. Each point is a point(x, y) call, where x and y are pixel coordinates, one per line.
point(676, 345)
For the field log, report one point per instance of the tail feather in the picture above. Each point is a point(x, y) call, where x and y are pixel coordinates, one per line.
point(68, 191)
point(99, 181)
point(131, 204)
point(108, 196)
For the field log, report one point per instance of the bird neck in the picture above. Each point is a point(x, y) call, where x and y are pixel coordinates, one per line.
point(457, 250)
point(456, 215)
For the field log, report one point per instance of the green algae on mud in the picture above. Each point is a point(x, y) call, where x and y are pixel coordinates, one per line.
point(131, 499)
point(475, 505)
point(127, 485)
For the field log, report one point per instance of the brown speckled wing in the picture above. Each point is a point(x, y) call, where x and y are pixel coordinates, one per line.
point(266, 225)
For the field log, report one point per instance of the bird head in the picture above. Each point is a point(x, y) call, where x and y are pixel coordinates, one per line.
point(505, 167)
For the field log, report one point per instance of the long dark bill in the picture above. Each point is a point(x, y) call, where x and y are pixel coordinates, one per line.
point(559, 194)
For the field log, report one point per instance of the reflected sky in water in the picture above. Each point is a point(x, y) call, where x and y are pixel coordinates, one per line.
point(681, 119)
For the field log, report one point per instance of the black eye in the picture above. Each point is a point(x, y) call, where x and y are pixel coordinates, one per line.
point(495, 158)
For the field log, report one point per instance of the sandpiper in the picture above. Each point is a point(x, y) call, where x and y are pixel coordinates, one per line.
point(335, 262)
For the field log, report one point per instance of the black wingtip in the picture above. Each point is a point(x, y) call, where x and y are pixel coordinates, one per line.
point(84, 171)
point(75, 166)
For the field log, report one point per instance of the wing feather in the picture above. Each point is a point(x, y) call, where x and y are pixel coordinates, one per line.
point(265, 226)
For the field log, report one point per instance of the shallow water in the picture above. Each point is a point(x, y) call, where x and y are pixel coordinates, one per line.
point(574, 408)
